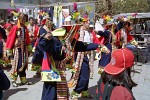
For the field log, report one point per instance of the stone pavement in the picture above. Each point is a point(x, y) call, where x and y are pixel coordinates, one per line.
point(33, 92)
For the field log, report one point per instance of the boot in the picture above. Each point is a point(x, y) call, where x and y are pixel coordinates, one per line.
point(86, 94)
point(24, 81)
point(75, 95)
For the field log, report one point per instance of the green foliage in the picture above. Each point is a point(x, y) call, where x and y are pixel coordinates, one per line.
point(130, 6)
point(120, 6)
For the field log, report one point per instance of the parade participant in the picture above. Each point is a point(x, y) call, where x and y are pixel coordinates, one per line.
point(4, 82)
point(115, 82)
point(107, 35)
point(37, 61)
point(123, 36)
point(3, 38)
point(33, 30)
point(6, 59)
point(54, 88)
point(82, 73)
point(18, 40)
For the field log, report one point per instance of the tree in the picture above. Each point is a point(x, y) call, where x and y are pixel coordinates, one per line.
point(130, 6)
point(119, 6)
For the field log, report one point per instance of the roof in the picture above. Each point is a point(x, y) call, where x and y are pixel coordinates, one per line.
point(65, 4)
point(138, 15)
point(6, 5)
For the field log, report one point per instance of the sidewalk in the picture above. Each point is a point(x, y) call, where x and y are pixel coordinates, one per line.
point(34, 92)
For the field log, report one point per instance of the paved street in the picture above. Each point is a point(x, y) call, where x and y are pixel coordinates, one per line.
point(33, 92)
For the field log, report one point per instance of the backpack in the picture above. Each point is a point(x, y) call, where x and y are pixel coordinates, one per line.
point(106, 93)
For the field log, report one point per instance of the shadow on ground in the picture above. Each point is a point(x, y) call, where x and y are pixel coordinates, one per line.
point(92, 91)
point(10, 92)
point(34, 80)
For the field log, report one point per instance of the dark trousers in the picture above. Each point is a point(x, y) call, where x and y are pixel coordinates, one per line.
point(1, 95)
point(83, 81)
point(21, 73)
point(49, 91)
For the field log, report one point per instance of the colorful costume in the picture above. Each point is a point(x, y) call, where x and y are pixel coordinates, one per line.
point(19, 42)
point(123, 37)
point(105, 58)
point(55, 85)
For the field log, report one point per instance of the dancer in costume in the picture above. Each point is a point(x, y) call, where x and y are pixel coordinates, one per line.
point(123, 36)
point(7, 60)
point(107, 35)
point(55, 86)
point(82, 73)
point(19, 42)
point(3, 38)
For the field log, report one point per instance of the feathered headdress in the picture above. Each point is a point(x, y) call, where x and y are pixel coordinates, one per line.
point(75, 14)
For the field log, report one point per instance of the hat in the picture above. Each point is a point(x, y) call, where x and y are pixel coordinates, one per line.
point(59, 32)
point(121, 59)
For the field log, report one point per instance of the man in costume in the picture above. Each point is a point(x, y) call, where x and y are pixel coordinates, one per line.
point(19, 42)
point(55, 85)
point(82, 73)
point(107, 36)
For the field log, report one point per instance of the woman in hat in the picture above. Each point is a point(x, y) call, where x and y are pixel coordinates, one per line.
point(116, 82)
point(18, 40)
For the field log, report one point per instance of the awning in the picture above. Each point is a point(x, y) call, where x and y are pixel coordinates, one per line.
point(133, 15)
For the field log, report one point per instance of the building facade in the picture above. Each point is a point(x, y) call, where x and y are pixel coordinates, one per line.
point(28, 5)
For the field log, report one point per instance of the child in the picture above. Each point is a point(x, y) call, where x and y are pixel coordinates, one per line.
point(116, 82)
